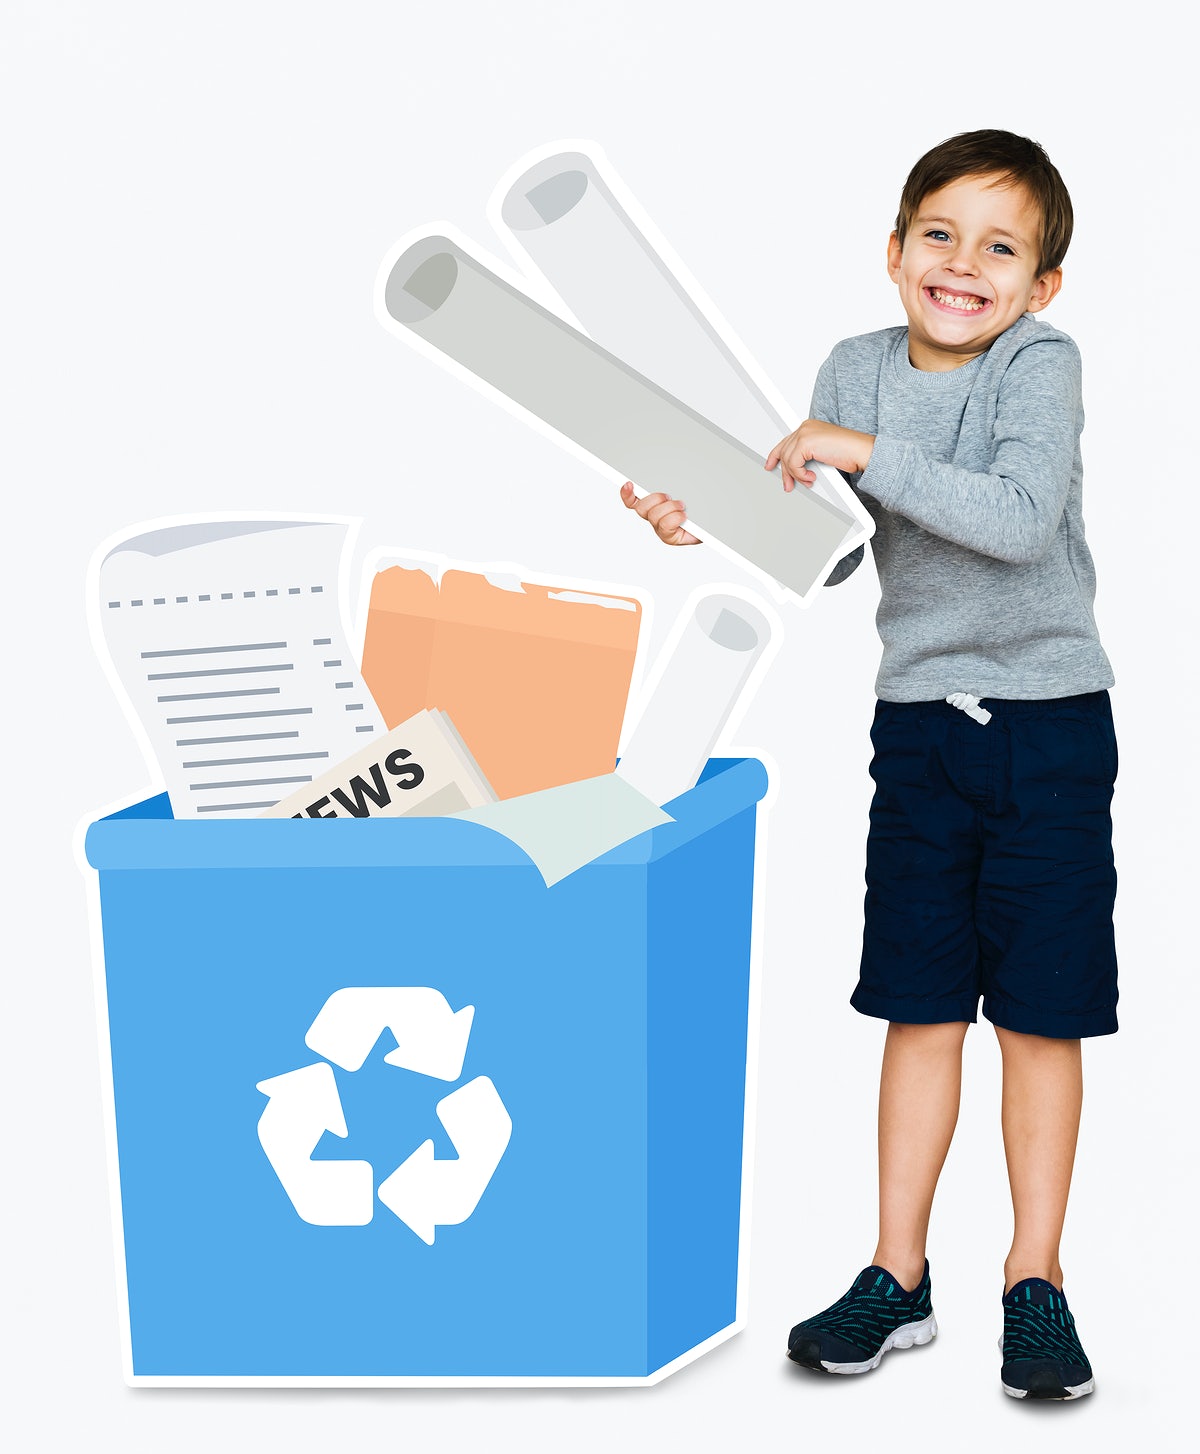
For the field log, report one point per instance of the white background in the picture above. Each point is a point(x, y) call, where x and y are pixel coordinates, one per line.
point(196, 200)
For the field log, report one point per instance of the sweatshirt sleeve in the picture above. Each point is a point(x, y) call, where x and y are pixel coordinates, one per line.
point(1012, 510)
point(824, 406)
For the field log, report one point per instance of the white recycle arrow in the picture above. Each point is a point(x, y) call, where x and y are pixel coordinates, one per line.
point(303, 1105)
point(425, 1192)
point(430, 1037)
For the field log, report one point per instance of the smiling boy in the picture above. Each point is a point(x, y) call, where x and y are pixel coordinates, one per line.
point(989, 855)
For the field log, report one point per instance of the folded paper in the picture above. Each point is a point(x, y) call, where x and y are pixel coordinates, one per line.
point(533, 677)
point(564, 828)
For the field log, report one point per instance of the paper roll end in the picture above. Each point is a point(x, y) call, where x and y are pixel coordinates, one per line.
point(732, 623)
point(546, 192)
point(420, 281)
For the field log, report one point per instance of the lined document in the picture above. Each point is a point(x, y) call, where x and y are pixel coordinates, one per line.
point(228, 640)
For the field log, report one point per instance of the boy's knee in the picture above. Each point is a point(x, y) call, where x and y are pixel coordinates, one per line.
point(1022, 1043)
point(947, 1032)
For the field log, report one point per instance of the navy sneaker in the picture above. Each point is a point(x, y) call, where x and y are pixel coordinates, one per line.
point(1043, 1357)
point(876, 1314)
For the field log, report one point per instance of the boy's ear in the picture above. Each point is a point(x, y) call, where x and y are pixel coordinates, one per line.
point(893, 259)
point(1045, 290)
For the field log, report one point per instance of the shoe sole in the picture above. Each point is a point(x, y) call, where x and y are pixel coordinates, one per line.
point(1067, 1391)
point(1063, 1392)
point(905, 1337)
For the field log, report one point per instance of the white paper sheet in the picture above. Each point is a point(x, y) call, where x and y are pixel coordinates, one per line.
point(228, 641)
point(566, 827)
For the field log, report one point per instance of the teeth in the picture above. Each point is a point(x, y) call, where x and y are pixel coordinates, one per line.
point(967, 305)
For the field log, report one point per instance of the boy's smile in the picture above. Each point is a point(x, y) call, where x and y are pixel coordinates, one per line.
point(958, 302)
point(968, 270)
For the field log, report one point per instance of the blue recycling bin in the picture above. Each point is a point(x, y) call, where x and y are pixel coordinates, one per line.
point(387, 1109)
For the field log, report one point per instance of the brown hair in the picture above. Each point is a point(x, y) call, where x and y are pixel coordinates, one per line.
point(1016, 160)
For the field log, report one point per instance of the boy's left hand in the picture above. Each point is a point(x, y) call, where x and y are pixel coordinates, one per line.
point(844, 449)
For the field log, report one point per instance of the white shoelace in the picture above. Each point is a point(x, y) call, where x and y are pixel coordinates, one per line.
point(965, 702)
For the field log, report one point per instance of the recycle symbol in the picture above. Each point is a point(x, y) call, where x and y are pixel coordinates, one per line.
point(424, 1191)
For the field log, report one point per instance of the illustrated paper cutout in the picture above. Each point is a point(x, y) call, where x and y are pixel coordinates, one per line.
point(227, 641)
point(629, 1130)
point(564, 828)
point(605, 343)
point(437, 291)
point(698, 683)
point(535, 678)
point(563, 216)
point(422, 768)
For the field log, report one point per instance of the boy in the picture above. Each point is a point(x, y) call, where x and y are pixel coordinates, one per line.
point(989, 857)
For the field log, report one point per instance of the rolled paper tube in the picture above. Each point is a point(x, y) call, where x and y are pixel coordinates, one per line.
point(563, 215)
point(562, 377)
point(694, 693)
point(583, 241)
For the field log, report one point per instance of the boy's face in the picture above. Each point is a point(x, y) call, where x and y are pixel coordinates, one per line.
point(968, 270)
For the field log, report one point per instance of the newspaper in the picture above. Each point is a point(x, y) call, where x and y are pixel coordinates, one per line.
point(421, 768)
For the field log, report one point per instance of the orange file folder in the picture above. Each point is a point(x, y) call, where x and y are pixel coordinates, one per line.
point(535, 678)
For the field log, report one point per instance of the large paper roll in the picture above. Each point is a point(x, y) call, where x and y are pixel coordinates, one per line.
point(444, 296)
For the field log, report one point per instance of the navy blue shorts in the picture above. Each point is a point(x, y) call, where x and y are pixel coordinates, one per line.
point(990, 866)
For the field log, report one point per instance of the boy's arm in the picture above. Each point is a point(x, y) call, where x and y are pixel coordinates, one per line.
point(1012, 511)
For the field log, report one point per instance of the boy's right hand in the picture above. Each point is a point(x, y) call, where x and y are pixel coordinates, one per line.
point(666, 515)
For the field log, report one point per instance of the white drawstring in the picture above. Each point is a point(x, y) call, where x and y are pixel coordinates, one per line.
point(965, 702)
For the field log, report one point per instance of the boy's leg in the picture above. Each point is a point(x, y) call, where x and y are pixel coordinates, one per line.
point(919, 1087)
point(1040, 1107)
point(890, 1303)
point(1041, 1355)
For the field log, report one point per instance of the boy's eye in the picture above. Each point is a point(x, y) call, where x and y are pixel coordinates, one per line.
point(938, 235)
point(1003, 247)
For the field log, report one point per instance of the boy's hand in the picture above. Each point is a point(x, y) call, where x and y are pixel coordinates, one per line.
point(666, 515)
point(844, 449)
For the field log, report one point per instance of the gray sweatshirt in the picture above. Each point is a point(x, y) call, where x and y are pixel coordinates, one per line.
point(975, 485)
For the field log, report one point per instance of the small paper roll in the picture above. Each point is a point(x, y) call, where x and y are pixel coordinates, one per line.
point(565, 215)
point(693, 695)
point(584, 242)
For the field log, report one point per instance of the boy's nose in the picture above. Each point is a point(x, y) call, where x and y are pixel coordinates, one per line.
point(962, 262)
